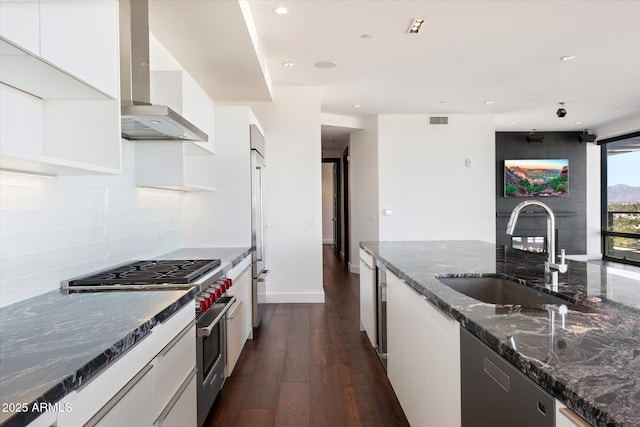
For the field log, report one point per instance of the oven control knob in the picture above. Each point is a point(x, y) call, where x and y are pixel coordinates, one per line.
point(212, 299)
point(229, 283)
point(203, 306)
point(218, 293)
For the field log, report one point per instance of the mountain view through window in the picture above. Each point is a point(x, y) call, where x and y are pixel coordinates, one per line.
point(622, 234)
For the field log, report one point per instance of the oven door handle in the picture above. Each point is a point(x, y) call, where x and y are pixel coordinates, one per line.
point(206, 331)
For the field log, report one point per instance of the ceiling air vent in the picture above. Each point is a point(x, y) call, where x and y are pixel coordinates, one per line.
point(433, 120)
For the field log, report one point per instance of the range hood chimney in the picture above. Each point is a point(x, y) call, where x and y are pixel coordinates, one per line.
point(139, 119)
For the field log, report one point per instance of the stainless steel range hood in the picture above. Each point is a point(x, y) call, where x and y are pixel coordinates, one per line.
point(139, 119)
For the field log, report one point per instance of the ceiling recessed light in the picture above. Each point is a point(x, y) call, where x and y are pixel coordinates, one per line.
point(288, 64)
point(616, 111)
point(488, 102)
point(567, 57)
point(578, 122)
point(513, 123)
point(325, 64)
point(155, 122)
point(281, 10)
point(356, 105)
point(415, 26)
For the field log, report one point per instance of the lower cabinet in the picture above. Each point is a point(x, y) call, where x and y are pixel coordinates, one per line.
point(153, 384)
point(368, 296)
point(239, 320)
point(423, 357)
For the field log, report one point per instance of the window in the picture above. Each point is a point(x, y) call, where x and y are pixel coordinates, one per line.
point(621, 199)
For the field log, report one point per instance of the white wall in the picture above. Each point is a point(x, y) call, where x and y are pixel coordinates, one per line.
point(59, 228)
point(327, 203)
point(363, 188)
point(293, 193)
point(223, 217)
point(424, 180)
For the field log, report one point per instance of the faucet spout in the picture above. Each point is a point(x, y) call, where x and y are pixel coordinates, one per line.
point(551, 239)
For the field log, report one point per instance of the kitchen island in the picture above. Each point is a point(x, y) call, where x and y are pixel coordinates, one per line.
point(592, 362)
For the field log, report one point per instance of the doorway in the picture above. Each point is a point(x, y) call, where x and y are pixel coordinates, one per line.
point(335, 200)
point(332, 204)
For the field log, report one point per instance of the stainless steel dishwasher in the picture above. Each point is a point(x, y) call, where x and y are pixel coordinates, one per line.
point(494, 393)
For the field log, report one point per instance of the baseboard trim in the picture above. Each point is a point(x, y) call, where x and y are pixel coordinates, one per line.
point(354, 268)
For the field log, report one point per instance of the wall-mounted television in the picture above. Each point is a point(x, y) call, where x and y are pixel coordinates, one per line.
point(536, 177)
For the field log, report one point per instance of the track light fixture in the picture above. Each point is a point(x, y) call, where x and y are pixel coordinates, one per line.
point(561, 111)
point(585, 136)
point(534, 137)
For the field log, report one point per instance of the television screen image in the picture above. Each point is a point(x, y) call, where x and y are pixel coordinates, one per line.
point(536, 177)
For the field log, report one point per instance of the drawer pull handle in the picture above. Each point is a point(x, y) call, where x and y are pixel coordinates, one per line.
point(118, 397)
point(177, 338)
point(574, 418)
point(178, 394)
point(236, 308)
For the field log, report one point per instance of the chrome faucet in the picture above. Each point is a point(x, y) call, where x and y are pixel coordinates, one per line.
point(551, 269)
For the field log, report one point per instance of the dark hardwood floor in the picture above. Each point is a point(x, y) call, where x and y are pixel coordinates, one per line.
point(309, 365)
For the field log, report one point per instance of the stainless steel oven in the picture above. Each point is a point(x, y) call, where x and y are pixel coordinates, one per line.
point(211, 350)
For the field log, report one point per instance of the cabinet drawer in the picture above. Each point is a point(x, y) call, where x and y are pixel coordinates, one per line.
point(165, 332)
point(172, 365)
point(184, 411)
point(128, 404)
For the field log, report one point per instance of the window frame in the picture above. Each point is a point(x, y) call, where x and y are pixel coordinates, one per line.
point(604, 206)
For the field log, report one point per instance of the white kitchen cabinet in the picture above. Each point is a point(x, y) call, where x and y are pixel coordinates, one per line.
point(58, 137)
point(368, 296)
point(150, 383)
point(423, 357)
point(81, 37)
point(183, 412)
point(59, 87)
point(67, 49)
point(180, 92)
point(239, 321)
point(20, 23)
point(174, 165)
point(46, 419)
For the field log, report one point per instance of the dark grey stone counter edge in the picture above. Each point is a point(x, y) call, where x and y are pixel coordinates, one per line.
point(567, 396)
point(98, 364)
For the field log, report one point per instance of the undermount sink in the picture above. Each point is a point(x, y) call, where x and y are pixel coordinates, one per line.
point(497, 290)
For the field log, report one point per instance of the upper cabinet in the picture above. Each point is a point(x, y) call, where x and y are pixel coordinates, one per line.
point(81, 37)
point(59, 86)
point(177, 165)
point(48, 42)
point(177, 90)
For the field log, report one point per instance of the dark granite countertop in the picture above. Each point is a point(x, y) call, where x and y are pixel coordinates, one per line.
point(588, 358)
point(53, 343)
point(227, 254)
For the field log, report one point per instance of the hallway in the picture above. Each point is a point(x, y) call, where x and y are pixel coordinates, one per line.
point(309, 365)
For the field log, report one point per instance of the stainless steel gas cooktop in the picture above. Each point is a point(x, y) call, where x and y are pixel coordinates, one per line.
point(145, 275)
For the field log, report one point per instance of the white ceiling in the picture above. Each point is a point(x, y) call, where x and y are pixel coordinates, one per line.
point(467, 53)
